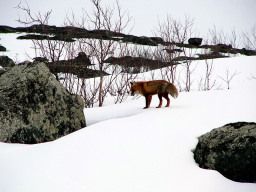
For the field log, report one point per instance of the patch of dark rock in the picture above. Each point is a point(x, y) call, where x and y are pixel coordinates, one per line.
point(158, 40)
point(195, 41)
point(7, 29)
point(247, 52)
point(41, 59)
point(79, 71)
point(230, 150)
point(171, 51)
point(82, 59)
point(2, 48)
point(5, 61)
point(77, 66)
point(184, 45)
point(239, 125)
point(212, 55)
point(70, 34)
point(135, 64)
point(45, 37)
point(222, 48)
point(141, 40)
point(40, 29)
point(33, 37)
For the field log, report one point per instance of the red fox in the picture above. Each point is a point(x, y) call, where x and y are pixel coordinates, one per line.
point(149, 88)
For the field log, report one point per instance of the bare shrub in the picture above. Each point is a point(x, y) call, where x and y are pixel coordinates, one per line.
point(53, 50)
point(229, 76)
point(206, 83)
point(175, 32)
point(249, 39)
point(103, 19)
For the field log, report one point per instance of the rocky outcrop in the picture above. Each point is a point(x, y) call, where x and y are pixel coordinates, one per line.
point(5, 61)
point(77, 66)
point(135, 64)
point(2, 48)
point(35, 107)
point(195, 41)
point(231, 150)
point(45, 37)
point(69, 34)
point(247, 52)
point(72, 34)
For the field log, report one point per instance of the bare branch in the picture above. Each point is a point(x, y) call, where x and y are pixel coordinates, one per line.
point(30, 18)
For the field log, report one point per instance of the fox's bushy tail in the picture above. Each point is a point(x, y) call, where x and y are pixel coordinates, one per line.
point(172, 90)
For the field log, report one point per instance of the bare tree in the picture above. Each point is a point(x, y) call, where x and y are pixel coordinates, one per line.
point(53, 50)
point(176, 32)
point(228, 78)
point(217, 36)
point(234, 39)
point(188, 75)
point(187, 30)
point(170, 31)
point(31, 18)
point(249, 39)
point(206, 82)
point(103, 20)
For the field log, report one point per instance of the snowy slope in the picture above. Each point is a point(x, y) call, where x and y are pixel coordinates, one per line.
point(128, 149)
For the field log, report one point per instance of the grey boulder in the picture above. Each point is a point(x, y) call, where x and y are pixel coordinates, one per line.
point(35, 107)
point(231, 150)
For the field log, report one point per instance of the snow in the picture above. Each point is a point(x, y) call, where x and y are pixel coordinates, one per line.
point(17, 50)
point(126, 148)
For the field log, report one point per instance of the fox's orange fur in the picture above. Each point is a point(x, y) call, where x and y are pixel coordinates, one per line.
point(149, 88)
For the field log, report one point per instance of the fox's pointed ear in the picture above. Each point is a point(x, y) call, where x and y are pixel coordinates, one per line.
point(133, 83)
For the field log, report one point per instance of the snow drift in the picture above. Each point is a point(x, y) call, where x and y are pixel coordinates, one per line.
point(126, 148)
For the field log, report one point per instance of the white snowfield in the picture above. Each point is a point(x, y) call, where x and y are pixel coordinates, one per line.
point(128, 149)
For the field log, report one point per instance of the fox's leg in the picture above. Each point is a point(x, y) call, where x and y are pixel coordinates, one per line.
point(148, 101)
point(161, 101)
point(167, 99)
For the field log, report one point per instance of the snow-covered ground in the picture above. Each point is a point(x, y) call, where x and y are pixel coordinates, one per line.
point(17, 50)
point(125, 148)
